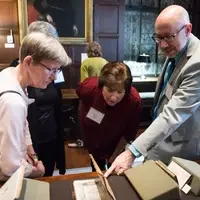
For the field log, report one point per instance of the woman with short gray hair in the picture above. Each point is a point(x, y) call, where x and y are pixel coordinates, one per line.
point(37, 70)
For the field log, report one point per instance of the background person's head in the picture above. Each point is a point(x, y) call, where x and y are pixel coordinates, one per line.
point(42, 55)
point(43, 27)
point(172, 30)
point(94, 50)
point(116, 81)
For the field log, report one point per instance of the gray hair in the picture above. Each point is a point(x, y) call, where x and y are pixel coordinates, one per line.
point(43, 47)
point(43, 27)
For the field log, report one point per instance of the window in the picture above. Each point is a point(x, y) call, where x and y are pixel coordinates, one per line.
point(139, 19)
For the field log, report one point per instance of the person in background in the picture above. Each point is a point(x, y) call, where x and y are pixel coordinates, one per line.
point(43, 27)
point(94, 63)
point(41, 57)
point(90, 67)
point(44, 116)
point(175, 130)
point(109, 112)
point(38, 26)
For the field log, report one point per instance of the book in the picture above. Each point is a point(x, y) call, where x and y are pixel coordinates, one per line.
point(164, 167)
point(90, 189)
point(11, 190)
point(152, 182)
point(93, 189)
point(188, 173)
point(19, 188)
point(34, 189)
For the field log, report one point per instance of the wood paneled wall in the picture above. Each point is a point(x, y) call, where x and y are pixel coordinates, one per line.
point(109, 27)
point(72, 73)
point(108, 30)
point(194, 12)
point(8, 21)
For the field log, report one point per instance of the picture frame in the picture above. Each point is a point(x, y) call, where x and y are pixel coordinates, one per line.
point(85, 35)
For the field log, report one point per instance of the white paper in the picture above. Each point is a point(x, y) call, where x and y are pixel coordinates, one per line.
point(9, 45)
point(181, 174)
point(59, 78)
point(86, 190)
point(186, 188)
point(83, 56)
point(95, 115)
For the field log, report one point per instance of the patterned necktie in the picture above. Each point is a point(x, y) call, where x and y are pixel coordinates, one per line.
point(168, 72)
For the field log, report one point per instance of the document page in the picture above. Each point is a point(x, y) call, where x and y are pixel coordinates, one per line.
point(181, 174)
point(89, 189)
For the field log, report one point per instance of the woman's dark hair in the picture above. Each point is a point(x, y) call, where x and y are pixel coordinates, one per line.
point(115, 76)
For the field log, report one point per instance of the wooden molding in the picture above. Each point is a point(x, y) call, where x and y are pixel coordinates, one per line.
point(69, 94)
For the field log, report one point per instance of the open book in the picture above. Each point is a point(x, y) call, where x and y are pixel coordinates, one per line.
point(19, 188)
point(93, 189)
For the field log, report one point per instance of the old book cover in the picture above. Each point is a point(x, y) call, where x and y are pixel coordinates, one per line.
point(34, 190)
point(19, 188)
point(164, 167)
point(12, 188)
point(152, 182)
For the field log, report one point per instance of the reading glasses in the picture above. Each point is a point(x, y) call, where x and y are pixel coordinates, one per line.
point(168, 38)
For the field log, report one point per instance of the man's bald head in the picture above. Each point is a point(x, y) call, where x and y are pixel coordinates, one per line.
point(172, 29)
point(173, 14)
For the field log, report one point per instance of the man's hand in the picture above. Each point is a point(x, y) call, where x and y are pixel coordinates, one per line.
point(123, 162)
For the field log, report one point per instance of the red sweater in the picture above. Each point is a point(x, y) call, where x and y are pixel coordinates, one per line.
point(120, 120)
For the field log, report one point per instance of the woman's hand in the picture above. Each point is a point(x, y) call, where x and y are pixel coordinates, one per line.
point(39, 168)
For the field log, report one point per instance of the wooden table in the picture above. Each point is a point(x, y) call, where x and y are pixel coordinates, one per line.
point(69, 177)
point(117, 183)
point(69, 94)
point(51, 179)
point(63, 188)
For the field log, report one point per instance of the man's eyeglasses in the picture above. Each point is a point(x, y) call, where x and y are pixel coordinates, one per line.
point(51, 71)
point(168, 38)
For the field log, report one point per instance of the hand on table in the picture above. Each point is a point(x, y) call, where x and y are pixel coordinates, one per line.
point(39, 168)
point(123, 162)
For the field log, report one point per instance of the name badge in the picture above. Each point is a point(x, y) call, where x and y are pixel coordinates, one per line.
point(168, 91)
point(95, 115)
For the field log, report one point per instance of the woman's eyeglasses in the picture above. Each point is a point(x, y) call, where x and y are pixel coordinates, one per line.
point(51, 71)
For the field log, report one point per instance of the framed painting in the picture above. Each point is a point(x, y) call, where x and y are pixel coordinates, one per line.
point(73, 19)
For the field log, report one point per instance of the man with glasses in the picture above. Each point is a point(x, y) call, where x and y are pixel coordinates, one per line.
point(176, 128)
